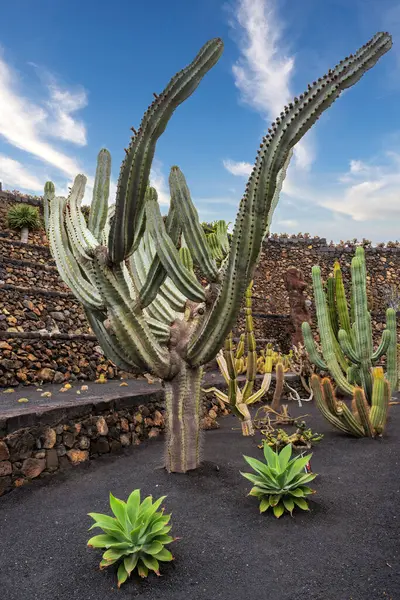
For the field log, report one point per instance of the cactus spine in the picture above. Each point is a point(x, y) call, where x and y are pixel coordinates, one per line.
point(362, 420)
point(347, 350)
point(144, 303)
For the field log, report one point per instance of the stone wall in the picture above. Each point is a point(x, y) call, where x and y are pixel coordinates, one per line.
point(34, 299)
point(84, 433)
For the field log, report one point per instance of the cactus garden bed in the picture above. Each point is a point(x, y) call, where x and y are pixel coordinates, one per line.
point(345, 548)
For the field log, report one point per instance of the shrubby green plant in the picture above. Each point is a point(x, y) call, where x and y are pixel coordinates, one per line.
point(135, 537)
point(280, 482)
point(25, 218)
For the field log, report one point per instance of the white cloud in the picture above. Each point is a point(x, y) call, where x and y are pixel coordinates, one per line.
point(238, 168)
point(13, 174)
point(264, 70)
point(25, 124)
point(63, 104)
point(158, 181)
point(371, 191)
point(291, 223)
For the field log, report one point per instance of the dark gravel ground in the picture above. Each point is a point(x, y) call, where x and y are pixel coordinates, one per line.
point(346, 548)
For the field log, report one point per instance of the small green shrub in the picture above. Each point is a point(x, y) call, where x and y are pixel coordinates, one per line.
point(135, 538)
point(23, 215)
point(280, 482)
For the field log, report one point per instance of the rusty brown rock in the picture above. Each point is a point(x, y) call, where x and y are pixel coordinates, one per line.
point(101, 425)
point(154, 432)
point(49, 438)
point(125, 439)
point(77, 456)
point(45, 375)
point(5, 468)
point(32, 467)
point(124, 424)
point(4, 452)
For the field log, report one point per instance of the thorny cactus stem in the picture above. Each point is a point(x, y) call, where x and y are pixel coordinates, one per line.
point(145, 305)
point(347, 349)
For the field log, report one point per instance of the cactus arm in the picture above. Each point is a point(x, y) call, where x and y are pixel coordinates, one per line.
point(49, 193)
point(347, 348)
point(157, 274)
point(349, 419)
point(251, 370)
point(391, 352)
point(139, 264)
point(264, 387)
point(67, 264)
point(222, 236)
point(363, 411)
point(326, 335)
point(252, 219)
point(109, 343)
point(220, 395)
point(106, 229)
point(384, 346)
point(342, 308)
point(380, 400)
point(331, 305)
point(130, 327)
point(186, 258)
point(311, 347)
point(101, 192)
point(316, 387)
point(135, 169)
point(280, 179)
point(191, 227)
point(280, 378)
point(185, 281)
point(363, 325)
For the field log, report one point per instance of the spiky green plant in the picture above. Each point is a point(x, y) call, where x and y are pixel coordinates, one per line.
point(148, 310)
point(346, 335)
point(135, 537)
point(362, 420)
point(280, 482)
point(25, 218)
point(229, 363)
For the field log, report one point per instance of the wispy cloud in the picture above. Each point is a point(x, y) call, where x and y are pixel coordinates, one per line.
point(28, 125)
point(370, 191)
point(238, 168)
point(158, 180)
point(265, 68)
point(13, 174)
point(62, 105)
point(291, 223)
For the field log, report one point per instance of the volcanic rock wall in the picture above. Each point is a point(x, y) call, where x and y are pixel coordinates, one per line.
point(44, 335)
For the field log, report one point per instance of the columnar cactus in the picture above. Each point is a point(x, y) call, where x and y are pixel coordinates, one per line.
point(148, 310)
point(362, 420)
point(230, 365)
point(347, 351)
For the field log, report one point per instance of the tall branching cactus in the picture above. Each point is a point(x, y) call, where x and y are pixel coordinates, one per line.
point(148, 310)
point(347, 347)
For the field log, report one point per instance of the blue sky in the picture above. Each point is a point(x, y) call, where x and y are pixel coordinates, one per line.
point(74, 76)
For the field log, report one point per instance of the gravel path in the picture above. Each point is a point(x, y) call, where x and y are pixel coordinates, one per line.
point(346, 548)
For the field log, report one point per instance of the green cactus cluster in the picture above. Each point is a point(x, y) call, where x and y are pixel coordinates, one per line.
point(142, 299)
point(230, 361)
point(362, 420)
point(345, 331)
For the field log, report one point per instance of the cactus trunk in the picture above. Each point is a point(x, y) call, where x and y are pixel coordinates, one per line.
point(183, 406)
